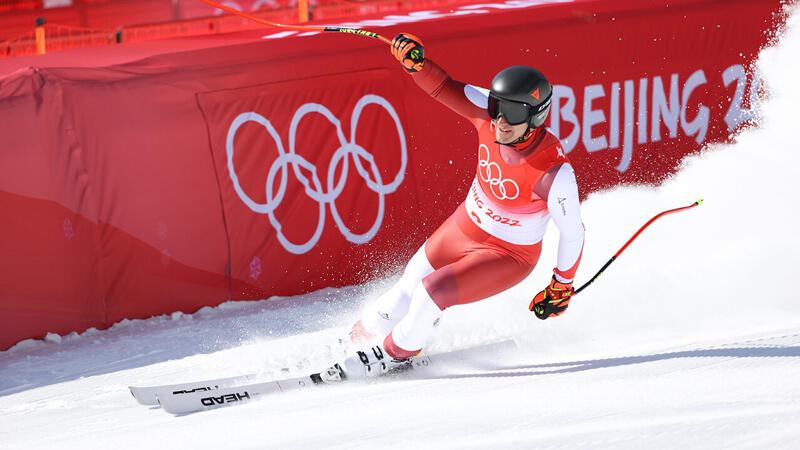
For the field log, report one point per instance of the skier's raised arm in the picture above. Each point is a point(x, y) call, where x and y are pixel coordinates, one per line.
point(467, 100)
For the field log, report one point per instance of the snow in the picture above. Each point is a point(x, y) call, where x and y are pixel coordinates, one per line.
point(691, 339)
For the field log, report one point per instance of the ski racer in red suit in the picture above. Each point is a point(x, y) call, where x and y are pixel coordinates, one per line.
point(493, 239)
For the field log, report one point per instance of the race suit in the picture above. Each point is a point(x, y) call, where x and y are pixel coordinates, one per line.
point(493, 239)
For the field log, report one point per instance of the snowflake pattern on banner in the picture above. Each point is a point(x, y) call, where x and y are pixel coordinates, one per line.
point(255, 268)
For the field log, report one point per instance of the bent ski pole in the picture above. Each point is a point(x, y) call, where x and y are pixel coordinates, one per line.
point(297, 27)
point(622, 249)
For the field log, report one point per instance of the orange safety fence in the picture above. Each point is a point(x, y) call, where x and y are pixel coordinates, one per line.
point(54, 37)
point(48, 38)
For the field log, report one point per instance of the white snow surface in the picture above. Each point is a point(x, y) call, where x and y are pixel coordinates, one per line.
point(691, 339)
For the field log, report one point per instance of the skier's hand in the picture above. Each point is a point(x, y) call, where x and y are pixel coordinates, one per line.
point(553, 300)
point(408, 49)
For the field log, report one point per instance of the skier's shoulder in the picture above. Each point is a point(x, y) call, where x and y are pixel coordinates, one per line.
point(552, 143)
point(549, 152)
point(477, 95)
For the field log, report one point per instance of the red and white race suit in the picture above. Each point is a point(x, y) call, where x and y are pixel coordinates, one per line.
point(493, 239)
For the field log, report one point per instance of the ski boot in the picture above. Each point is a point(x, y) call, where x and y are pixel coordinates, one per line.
point(372, 363)
point(365, 364)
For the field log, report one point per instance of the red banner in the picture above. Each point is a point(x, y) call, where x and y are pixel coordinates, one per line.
point(170, 175)
point(307, 169)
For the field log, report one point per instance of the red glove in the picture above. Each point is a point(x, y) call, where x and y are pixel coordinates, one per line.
point(553, 300)
point(408, 49)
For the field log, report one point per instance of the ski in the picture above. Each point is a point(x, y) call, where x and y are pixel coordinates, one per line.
point(148, 395)
point(179, 402)
point(199, 401)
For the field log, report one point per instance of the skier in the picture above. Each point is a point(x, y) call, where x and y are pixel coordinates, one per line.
point(493, 239)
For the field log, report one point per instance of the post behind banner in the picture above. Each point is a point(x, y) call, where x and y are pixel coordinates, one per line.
point(40, 43)
point(302, 7)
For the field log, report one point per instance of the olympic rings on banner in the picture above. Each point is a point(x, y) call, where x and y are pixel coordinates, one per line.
point(328, 194)
point(490, 173)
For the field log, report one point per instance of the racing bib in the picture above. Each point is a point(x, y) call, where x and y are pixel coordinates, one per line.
point(512, 227)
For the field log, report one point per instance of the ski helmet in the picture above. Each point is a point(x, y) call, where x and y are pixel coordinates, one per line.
point(520, 94)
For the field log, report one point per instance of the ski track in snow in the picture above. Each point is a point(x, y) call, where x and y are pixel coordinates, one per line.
point(690, 340)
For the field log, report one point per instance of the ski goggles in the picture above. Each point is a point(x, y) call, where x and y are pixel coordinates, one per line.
point(514, 112)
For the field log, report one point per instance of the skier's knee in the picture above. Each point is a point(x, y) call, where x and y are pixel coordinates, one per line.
point(442, 288)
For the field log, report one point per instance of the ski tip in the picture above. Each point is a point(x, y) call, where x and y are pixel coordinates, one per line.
point(143, 396)
point(699, 202)
point(172, 409)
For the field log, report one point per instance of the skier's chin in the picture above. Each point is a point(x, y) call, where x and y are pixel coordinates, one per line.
point(504, 138)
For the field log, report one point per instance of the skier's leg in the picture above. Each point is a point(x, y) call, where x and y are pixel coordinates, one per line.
point(446, 245)
point(478, 275)
point(380, 317)
point(411, 333)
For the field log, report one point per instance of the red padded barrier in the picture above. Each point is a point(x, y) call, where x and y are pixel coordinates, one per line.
point(119, 198)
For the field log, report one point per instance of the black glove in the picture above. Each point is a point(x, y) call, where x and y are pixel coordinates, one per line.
point(408, 49)
point(553, 300)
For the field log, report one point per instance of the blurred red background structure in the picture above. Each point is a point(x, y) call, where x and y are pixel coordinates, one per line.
point(140, 179)
point(86, 23)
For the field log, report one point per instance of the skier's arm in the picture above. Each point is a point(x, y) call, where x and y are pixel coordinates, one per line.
point(564, 208)
point(466, 100)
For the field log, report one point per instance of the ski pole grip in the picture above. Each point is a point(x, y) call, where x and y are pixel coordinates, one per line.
point(605, 266)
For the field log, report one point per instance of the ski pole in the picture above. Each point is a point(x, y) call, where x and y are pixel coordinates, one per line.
point(298, 27)
point(635, 235)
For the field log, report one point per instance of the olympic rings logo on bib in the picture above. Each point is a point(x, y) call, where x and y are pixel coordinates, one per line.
point(503, 189)
point(328, 194)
